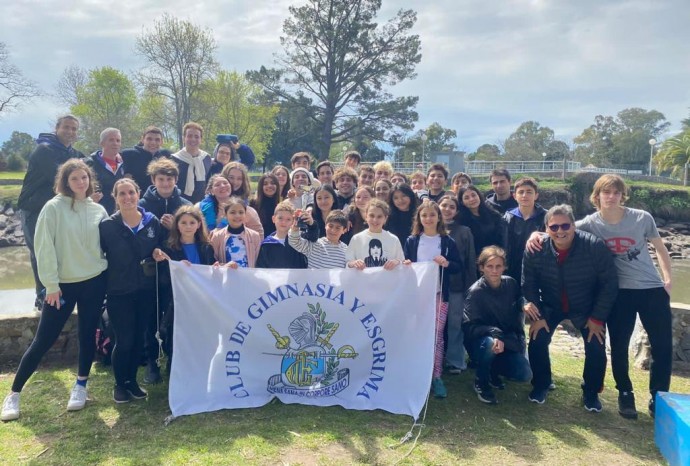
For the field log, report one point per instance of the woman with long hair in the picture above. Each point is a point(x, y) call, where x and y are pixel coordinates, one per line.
point(71, 266)
point(236, 173)
point(218, 191)
point(265, 202)
point(283, 175)
point(357, 212)
point(403, 206)
point(324, 204)
point(487, 225)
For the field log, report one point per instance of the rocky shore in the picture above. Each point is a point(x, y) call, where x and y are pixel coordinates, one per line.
point(11, 233)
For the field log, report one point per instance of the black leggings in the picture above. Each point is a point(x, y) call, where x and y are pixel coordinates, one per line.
point(654, 307)
point(88, 296)
point(129, 314)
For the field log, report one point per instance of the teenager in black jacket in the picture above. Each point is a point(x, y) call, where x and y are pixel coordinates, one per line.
point(494, 326)
point(128, 239)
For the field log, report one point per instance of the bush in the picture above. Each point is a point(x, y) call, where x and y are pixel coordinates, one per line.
point(15, 163)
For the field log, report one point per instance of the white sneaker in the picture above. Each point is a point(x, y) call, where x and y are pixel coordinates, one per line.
point(77, 399)
point(10, 407)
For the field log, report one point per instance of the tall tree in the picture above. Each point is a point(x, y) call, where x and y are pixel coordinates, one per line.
point(486, 152)
point(179, 57)
point(19, 144)
point(294, 132)
point(674, 153)
point(337, 65)
point(107, 99)
point(72, 79)
point(232, 104)
point(622, 140)
point(529, 141)
point(438, 139)
point(15, 88)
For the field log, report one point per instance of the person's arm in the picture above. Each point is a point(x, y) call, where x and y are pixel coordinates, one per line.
point(664, 262)
point(253, 221)
point(453, 257)
point(299, 243)
point(531, 303)
point(475, 323)
point(470, 260)
point(44, 246)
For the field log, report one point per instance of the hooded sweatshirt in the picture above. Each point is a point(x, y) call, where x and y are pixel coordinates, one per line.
point(67, 242)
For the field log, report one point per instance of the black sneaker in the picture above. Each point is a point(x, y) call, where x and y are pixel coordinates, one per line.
point(591, 401)
point(497, 383)
point(652, 406)
point(485, 394)
point(153, 374)
point(121, 395)
point(626, 405)
point(135, 391)
point(538, 395)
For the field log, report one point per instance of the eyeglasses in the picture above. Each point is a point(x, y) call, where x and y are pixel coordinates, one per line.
point(562, 226)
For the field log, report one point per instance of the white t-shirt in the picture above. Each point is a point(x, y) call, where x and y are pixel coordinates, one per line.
point(429, 247)
point(374, 248)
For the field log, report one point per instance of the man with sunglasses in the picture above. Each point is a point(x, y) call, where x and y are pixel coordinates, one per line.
point(573, 277)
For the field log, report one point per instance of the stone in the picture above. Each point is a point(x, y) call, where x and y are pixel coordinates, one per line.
point(642, 351)
point(660, 222)
point(3, 221)
point(9, 211)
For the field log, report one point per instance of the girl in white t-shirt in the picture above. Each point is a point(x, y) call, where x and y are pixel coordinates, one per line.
point(375, 247)
point(430, 242)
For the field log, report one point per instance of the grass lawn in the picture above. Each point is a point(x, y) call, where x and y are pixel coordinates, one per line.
point(12, 175)
point(459, 430)
point(9, 194)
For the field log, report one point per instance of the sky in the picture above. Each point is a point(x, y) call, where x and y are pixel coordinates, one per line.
point(486, 67)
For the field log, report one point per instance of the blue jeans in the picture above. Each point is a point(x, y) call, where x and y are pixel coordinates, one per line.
point(595, 357)
point(455, 352)
point(509, 364)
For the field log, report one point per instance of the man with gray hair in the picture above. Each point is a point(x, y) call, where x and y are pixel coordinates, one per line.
point(52, 150)
point(107, 165)
point(573, 277)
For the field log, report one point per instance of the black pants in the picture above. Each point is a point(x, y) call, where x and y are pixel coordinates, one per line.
point(129, 314)
point(538, 350)
point(88, 295)
point(29, 220)
point(654, 307)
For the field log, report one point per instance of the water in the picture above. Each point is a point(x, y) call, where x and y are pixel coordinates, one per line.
point(16, 281)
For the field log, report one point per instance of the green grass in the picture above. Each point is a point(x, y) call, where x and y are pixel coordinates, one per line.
point(12, 175)
point(9, 194)
point(458, 430)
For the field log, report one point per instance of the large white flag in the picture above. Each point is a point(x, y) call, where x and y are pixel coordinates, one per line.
point(358, 339)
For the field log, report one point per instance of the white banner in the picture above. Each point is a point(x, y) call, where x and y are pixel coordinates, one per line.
point(358, 339)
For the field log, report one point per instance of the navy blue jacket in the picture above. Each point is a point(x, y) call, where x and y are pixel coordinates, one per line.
point(125, 252)
point(44, 161)
point(588, 275)
point(277, 254)
point(449, 250)
point(519, 230)
point(136, 162)
point(106, 179)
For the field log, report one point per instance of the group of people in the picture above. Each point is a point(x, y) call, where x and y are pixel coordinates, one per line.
point(534, 265)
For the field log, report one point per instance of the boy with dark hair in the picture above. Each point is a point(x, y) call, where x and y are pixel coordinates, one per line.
point(436, 178)
point(324, 172)
point(301, 159)
point(522, 221)
point(353, 159)
point(276, 252)
point(501, 199)
point(137, 159)
point(163, 197)
point(327, 252)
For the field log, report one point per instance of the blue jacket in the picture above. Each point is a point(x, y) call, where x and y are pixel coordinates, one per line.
point(125, 252)
point(519, 230)
point(106, 179)
point(449, 250)
point(277, 254)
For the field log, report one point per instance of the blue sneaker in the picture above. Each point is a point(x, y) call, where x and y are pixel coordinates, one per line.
point(438, 388)
point(591, 401)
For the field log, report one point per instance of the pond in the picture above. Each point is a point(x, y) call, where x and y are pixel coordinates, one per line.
point(16, 280)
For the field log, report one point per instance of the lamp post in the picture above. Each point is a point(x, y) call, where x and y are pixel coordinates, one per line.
point(424, 138)
point(652, 143)
point(414, 154)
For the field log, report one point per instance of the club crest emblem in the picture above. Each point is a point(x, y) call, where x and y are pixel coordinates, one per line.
point(310, 365)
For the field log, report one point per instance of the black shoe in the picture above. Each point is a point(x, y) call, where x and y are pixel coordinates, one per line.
point(626, 405)
point(121, 395)
point(497, 383)
point(135, 391)
point(591, 401)
point(153, 374)
point(484, 393)
point(538, 395)
point(652, 406)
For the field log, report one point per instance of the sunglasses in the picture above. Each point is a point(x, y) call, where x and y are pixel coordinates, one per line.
point(562, 226)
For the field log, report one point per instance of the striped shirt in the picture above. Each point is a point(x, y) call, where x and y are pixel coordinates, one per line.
point(321, 254)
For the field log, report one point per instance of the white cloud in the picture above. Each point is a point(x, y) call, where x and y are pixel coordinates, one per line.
point(486, 66)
